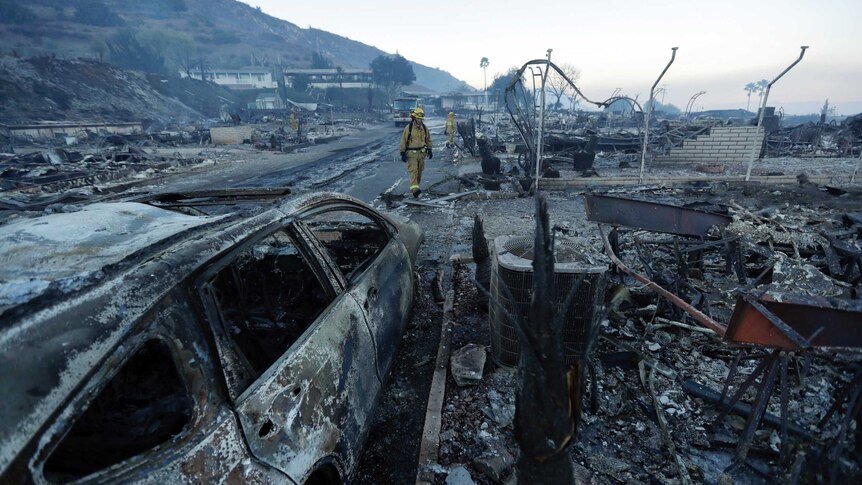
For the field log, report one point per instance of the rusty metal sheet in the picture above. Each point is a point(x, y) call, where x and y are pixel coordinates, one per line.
point(796, 322)
point(651, 216)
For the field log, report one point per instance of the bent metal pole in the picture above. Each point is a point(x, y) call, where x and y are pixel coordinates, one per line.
point(540, 142)
point(649, 113)
point(755, 147)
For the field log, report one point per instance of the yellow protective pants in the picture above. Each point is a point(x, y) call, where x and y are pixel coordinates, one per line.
point(452, 137)
point(415, 166)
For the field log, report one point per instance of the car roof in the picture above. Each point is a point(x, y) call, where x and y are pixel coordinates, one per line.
point(66, 250)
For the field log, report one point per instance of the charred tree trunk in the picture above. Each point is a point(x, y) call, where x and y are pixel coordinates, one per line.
point(548, 394)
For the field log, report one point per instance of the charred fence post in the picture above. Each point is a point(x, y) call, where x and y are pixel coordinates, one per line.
point(482, 258)
point(548, 396)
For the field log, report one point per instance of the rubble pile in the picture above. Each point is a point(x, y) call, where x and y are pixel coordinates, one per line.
point(656, 379)
point(817, 140)
point(600, 144)
point(36, 180)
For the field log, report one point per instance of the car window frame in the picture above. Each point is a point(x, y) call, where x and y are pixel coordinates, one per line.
point(73, 408)
point(332, 282)
point(388, 228)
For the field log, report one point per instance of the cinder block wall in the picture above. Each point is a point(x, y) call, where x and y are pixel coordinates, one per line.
point(230, 135)
point(724, 144)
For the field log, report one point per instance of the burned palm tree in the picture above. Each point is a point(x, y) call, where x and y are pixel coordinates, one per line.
point(548, 394)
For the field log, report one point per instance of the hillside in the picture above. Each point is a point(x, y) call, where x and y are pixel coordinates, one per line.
point(47, 89)
point(220, 33)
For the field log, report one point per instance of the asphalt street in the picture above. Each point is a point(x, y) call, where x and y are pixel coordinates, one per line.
point(364, 165)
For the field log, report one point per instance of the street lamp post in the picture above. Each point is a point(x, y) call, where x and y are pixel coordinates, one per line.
point(754, 146)
point(541, 139)
point(649, 113)
point(691, 101)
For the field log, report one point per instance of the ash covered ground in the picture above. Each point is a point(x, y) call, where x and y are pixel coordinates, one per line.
point(644, 362)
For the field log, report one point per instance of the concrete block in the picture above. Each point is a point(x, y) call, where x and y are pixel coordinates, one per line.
point(230, 135)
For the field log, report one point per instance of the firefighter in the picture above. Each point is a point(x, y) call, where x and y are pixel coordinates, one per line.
point(415, 145)
point(451, 126)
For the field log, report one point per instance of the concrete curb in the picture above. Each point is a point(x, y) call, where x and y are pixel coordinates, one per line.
point(430, 443)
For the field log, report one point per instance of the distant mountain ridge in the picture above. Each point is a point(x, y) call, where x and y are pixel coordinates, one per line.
point(224, 33)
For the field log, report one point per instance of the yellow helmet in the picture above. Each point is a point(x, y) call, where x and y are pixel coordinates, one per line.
point(451, 114)
point(418, 113)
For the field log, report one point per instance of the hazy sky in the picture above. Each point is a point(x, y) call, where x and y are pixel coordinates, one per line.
point(621, 43)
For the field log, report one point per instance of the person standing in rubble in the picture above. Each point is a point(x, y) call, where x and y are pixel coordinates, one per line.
point(451, 126)
point(415, 145)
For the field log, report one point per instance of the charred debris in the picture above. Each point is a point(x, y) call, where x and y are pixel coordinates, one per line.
point(722, 334)
point(724, 345)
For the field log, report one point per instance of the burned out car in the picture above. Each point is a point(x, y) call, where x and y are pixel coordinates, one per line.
point(139, 344)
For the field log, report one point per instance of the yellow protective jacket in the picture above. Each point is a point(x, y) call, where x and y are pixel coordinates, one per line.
point(450, 125)
point(419, 138)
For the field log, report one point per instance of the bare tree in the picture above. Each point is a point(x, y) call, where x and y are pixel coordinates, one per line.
point(188, 60)
point(99, 48)
point(558, 86)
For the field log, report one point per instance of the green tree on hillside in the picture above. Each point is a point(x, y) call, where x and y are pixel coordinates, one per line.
point(320, 62)
point(300, 82)
point(498, 85)
point(390, 73)
point(125, 49)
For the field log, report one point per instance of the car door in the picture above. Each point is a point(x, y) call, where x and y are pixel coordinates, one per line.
point(376, 269)
point(152, 409)
point(300, 361)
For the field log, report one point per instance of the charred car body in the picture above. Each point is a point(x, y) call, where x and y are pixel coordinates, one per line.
point(141, 344)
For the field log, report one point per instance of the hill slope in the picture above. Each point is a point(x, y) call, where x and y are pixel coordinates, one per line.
point(221, 33)
point(47, 89)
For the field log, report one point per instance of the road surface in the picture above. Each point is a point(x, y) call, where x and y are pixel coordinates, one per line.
point(363, 165)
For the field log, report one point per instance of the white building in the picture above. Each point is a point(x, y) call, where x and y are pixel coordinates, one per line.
point(331, 78)
point(253, 78)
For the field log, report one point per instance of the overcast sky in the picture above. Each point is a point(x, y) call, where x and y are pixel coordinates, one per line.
point(621, 43)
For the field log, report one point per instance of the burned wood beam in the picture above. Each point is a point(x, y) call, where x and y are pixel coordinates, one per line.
point(740, 408)
point(651, 216)
point(694, 312)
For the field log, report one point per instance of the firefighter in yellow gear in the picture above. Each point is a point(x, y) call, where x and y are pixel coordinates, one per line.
point(451, 126)
point(415, 145)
